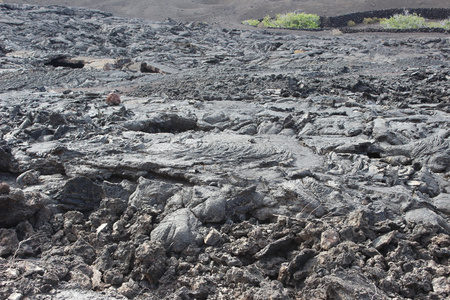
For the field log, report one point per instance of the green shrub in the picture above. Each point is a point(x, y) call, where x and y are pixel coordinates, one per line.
point(289, 20)
point(267, 22)
point(405, 21)
point(408, 21)
point(445, 24)
point(433, 24)
point(251, 22)
point(351, 23)
point(442, 24)
point(293, 20)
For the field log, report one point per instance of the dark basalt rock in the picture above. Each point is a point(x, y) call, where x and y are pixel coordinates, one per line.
point(162, 123)
point(16, 206)
point(9, 241)
point(81, 194)
point(177, 230)
point(4, 188)
point(6, 159)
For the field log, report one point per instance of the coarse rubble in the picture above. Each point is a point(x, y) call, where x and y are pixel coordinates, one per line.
point(236, 164)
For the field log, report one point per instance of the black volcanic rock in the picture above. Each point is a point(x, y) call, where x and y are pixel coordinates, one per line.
point(80, 193)
point(16, 206)
point(6, 159)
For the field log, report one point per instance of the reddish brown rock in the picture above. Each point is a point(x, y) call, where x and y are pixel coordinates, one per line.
point(113, 99)
point(4, 188)
point(329, 239)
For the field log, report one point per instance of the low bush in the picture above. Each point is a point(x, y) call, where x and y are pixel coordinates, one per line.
point(405, 21)
point(288, 20)
point(373, 20)
point(267, 22)
point(351, 23)
point(293, 20)
point(412, 21)
point(252, 22)
point(443, 24)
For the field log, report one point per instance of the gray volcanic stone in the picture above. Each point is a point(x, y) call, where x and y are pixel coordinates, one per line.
point(152, 193)
point(442, 203)
point(80, 193)
point(177, 230)
point(29, 177)
point(383, 240)
point(329, 239)
point(163, 123)
point(5, 158)
point(8, 242)
point(243, 201)
point(18, 206)
point(216, 118)
point(213, 237)
point(209, 204)
point(150, 261)
point(296, 266)
point(428, 184)
point(426, 216)
point(275, 246)
point(121, 190)
point(213, 205)
point(84, 250)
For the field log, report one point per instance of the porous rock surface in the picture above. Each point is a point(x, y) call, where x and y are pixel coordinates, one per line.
point(238, 164)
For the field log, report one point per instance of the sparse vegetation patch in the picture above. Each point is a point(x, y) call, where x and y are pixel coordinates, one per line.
point(373, 20)
point(412, 21)
point(288, 20)
point(251, 22)
point(405, 20)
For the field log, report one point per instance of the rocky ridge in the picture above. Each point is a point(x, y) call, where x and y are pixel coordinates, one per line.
point(238, 165)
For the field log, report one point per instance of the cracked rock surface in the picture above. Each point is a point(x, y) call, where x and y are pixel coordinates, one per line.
point(236, 165)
